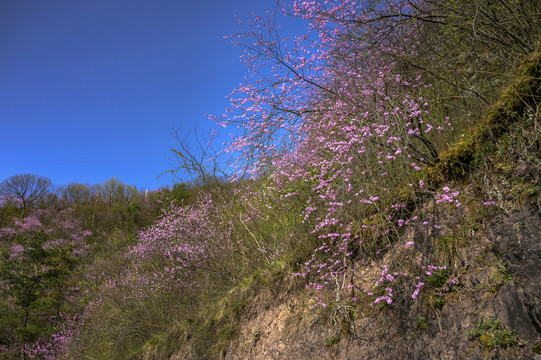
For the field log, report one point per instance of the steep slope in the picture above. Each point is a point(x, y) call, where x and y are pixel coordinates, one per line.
point(497, 286)
point(486, 303)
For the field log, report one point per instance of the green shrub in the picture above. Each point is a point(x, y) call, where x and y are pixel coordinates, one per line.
point(492, 334)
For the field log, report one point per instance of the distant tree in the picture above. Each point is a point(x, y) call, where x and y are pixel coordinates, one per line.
point(179, 192)
point(114, 191)
point(25, 191)
point(75, 193)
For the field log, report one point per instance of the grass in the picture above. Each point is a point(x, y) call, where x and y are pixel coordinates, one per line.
point(437, 279)
point(209, 331)
point(420, 323)
point(332, 341)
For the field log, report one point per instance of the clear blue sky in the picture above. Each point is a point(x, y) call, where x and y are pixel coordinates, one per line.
point(89, 89)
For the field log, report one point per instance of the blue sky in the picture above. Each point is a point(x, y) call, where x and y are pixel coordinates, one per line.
point(90, 89)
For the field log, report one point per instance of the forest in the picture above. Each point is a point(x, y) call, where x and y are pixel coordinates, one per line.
point(372, 154)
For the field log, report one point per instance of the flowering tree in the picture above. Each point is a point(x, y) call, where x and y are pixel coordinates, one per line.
point(180, 246)
point(371, 58)
point(356, 107)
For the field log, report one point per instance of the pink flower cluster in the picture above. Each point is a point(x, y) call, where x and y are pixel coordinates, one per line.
point(417, 290)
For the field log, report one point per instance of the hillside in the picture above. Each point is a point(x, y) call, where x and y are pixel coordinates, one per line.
point(382, 201)
point(485, 304)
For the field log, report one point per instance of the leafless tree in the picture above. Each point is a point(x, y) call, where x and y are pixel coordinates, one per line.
point(75, 193)
point(25, 191)
point(115, 191)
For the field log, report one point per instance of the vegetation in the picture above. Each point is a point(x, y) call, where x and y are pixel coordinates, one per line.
point(420, 323)
point(332, 341)
point(346, 131)
point(51, 254)
point(492, 334)
point(24, 192)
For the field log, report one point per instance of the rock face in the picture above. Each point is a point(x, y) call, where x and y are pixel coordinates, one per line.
point(493, 311)
point(517, 238)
